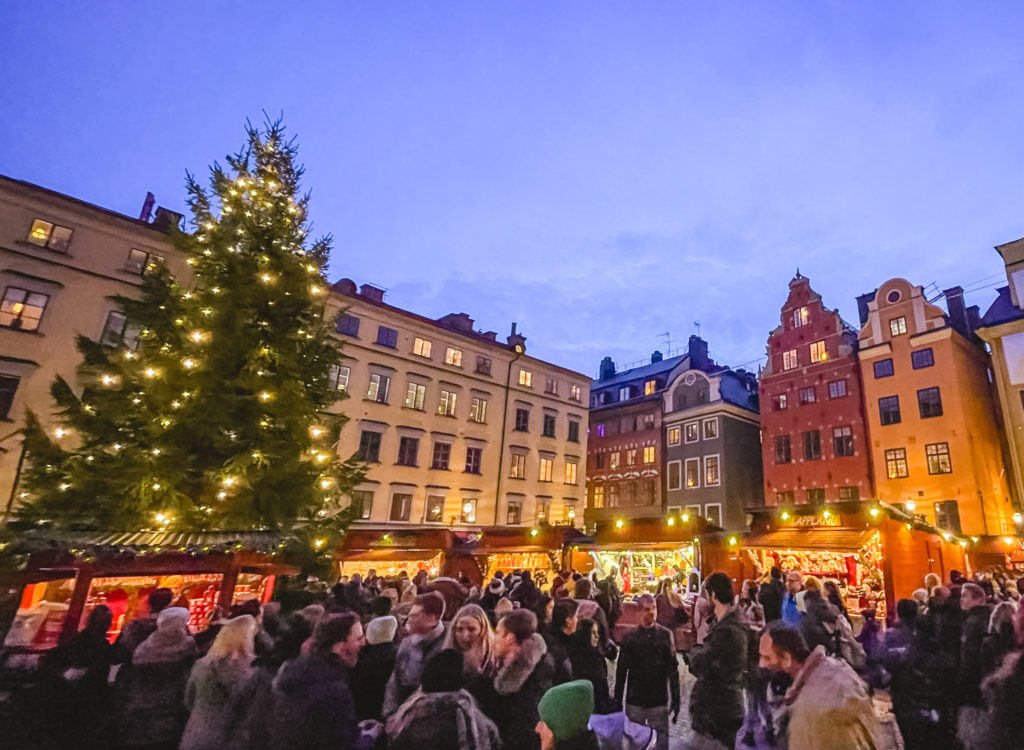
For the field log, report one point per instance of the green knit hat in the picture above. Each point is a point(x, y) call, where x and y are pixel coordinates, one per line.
point(566, 708)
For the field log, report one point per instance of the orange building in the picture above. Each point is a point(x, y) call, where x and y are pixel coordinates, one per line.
point(932, 420)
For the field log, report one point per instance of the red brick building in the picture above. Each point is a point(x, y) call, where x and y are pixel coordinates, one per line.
point(813, 432)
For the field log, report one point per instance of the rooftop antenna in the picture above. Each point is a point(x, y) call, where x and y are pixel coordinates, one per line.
point(697, 324)
point(668, 340)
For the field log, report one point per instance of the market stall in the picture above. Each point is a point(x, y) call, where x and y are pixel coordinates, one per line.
point(390, 552)
point(392, 562)
point(640, 567)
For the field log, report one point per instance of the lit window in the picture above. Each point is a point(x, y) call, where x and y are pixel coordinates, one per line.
point(570, 471)
point(691, 432)
point(779, 402)
point(837, 389)
point(551, 386)
point(414, 398)
point(141, 263)
point(22, 309)
point(478, 410)
point(674, 435)
point(446, 406)
point(896, 463)
point(631, 457)
point(338, 377)
point(600, 428)
point(378, 388)
point(468, 510)
point(938, 458)
point(711, 428)
point(898, 326)
point(435, 509)
point(649, 387)
point(453, 357)
point(421, 347)
point(526, 378)
point(789, 360)
point(546, 466)
point(649, 454)
point(692, 473)
point(543, 511)
point(575, 393)
point(45, 234)
point(597, 496)
point(818, 352)
point(613, 460)
point(801, 317)
point(711, 477)
point(518, 468)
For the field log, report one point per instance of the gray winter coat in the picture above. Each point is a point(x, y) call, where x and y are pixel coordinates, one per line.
point(216, 695)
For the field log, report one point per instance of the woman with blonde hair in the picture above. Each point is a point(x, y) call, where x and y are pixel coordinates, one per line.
point(472, 634)
point(217, 689)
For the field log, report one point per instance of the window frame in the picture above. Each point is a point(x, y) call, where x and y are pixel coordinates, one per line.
point(676, 464)
point(517, 466)
point(338, 377)
point(447, 403)
point(510, 503)
point(790, 360)
point(883, 411)
point(938, 456)
point(387, 337)
point(147, 259)
point(8, 391)
point(650, 386)
point(525, 378)
point(653, 455)
point(888, 370)
point(365, 508)
point(784, 441)
point(375, 445)
point(573, 434)
point(704, 428)
point(400, 518)
point(522, 420)
point(808, 395)
point(894, 461)
point(696, 432)
point(453, 356)
point(474, 459)
point(421, 347)
point(625, 393)
point(407, 456)
point(848, 493)
point(27, 294)
point(415, 396)
point(842, 444)
point(934, 408)
point(780, 402)
point(812, 445)
point(898, 325)
point(551, 386)
point(839, 385)
point(707, 516)
point(548, 420)
point(614, 460)
point(801, 316)
point(373, 387)
point(347, 325)
point(48, 242)
point(693, 461)
point(575, 392)
point(441, 455)
point(915, 359)
point(483, 365)
point(428, 505)
point(818, 351)
point(478, 410)
point(596, 498)
point(713, 457)
point(572, 477)
point(678, 436)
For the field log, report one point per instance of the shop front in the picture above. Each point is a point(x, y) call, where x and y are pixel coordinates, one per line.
point(539, 550)
point(390, 553)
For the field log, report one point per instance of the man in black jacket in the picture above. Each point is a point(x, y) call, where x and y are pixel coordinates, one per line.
point(976, 616)
point(647, 662)
point(770, 596)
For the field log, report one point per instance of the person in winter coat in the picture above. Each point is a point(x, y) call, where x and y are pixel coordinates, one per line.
point(750, 611)
point(770, 595)
point(818, 625)
point(609, 599)
point(1001, 638)
point(441, 714)
point(313, 704)
point(472, 635)
point(588, 663)
point(1002, 726)
point(218, 688)
point(671, 613)
point(523, 675)
point(139, 629)
point(716, 702)
point(495, 590)
point(587, 607)
point(557, 636)
point(75, 674)
point(152, 699)
point(525, 592)
point(972, 669)
point(425, 638)
point(790, 613)
point(647, 674)
point(565, 716)
point(374, 667)
point(827, 707)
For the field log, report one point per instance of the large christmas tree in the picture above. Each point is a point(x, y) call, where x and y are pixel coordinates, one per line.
point(216, 417)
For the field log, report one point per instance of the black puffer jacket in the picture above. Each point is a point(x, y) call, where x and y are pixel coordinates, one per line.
point(511, 698)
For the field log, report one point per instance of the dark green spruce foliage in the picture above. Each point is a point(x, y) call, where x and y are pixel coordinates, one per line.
point(218, 419)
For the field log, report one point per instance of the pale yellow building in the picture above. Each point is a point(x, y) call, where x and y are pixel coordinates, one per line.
point(461, 430)
point(61, 261)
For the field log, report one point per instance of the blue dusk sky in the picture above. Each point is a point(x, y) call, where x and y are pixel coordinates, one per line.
point(600, 173)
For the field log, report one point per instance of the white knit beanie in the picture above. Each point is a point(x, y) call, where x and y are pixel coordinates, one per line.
point(381, 629)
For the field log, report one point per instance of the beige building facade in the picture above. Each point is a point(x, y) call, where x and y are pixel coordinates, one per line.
point(61, 261)
point(461, 430)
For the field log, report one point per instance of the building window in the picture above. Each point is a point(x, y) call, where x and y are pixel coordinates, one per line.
point(347, 325)
point(414, 398)
point(922, 358)
point(674, 435)
point(807, 395)
point(478, 410)
point(543, 511)
point(842, 441)
point(53, 236)
point(551, 386)
point(613, 461)
point(848, 494)
point(442, 456)
point(518, 468)
point(938, 458)
point(401, 506)
point(117, 331)
point(600, 428)
point(675, 475)
point(947, 515)
point(598, 460)
point(711, 474)
point(631, 457)
point(141, 263)
point(421, 347)
point(784, 497)
point(692, 471)
point(816, 495)
point(387, 337)
point(483, 367)
point(837, 389)
point(473, 460)
point(22, 309)
point(8, 386)
point(369, 446)
point(408, 451)
point(548, 428)
point(929, 402)
point(513, 512)
point(446, 405)
point(337, 378)
point(575, 393)
point(889, 410)
point(783, 449)
point(649, 421)
point(884, 368)
point(713, 514)
point(613, 496)
point(691, 432)
point(898, 326)
point(571, 467)
point(526, 378)
point(711, 428)
point(649, 454)
point(362, 503)
point(649, 387)
point(818, 351)
point(779, 402)
point(435, 509)
point(789, 360)
point(522, 420)
point(812, 445)
point(628, 424)
point(378, 388)
point(574, 431)
point(453, 357)
point(896, 463)
point(624, 393)
point(801, 317)
point(597, 496)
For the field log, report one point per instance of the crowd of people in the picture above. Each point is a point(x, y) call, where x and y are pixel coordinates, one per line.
point(415, 663)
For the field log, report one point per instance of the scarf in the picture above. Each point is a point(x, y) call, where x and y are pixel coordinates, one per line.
point(475, 731)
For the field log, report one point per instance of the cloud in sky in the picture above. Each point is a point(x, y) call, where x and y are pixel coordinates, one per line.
point(598, 172)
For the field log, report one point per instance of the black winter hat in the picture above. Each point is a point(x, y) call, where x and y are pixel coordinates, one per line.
point(443, 672)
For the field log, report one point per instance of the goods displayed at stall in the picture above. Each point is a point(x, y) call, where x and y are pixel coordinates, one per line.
point(640, 570)
point(535, 562)
point(392, 562)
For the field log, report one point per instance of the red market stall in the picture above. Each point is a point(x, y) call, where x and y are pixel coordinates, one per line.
point(390, 552)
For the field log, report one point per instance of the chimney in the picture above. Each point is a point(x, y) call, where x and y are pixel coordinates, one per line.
point(698, 353)
point(371, 292)
point(166, 219)
point(862, 306)
point(457, 322)
point(345, 286)
point(607, 371)
point(515, 339)
point(957, 312)
point(656, 356)
point(147, 208)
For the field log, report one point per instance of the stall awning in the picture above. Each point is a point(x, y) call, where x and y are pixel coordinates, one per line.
point(815, 538)
point(390, 554)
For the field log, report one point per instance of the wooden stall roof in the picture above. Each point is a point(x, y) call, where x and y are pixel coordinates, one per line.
point(825, 538)
point(389, 554)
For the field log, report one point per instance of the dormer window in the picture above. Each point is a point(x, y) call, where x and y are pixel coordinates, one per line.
point(801, 317)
